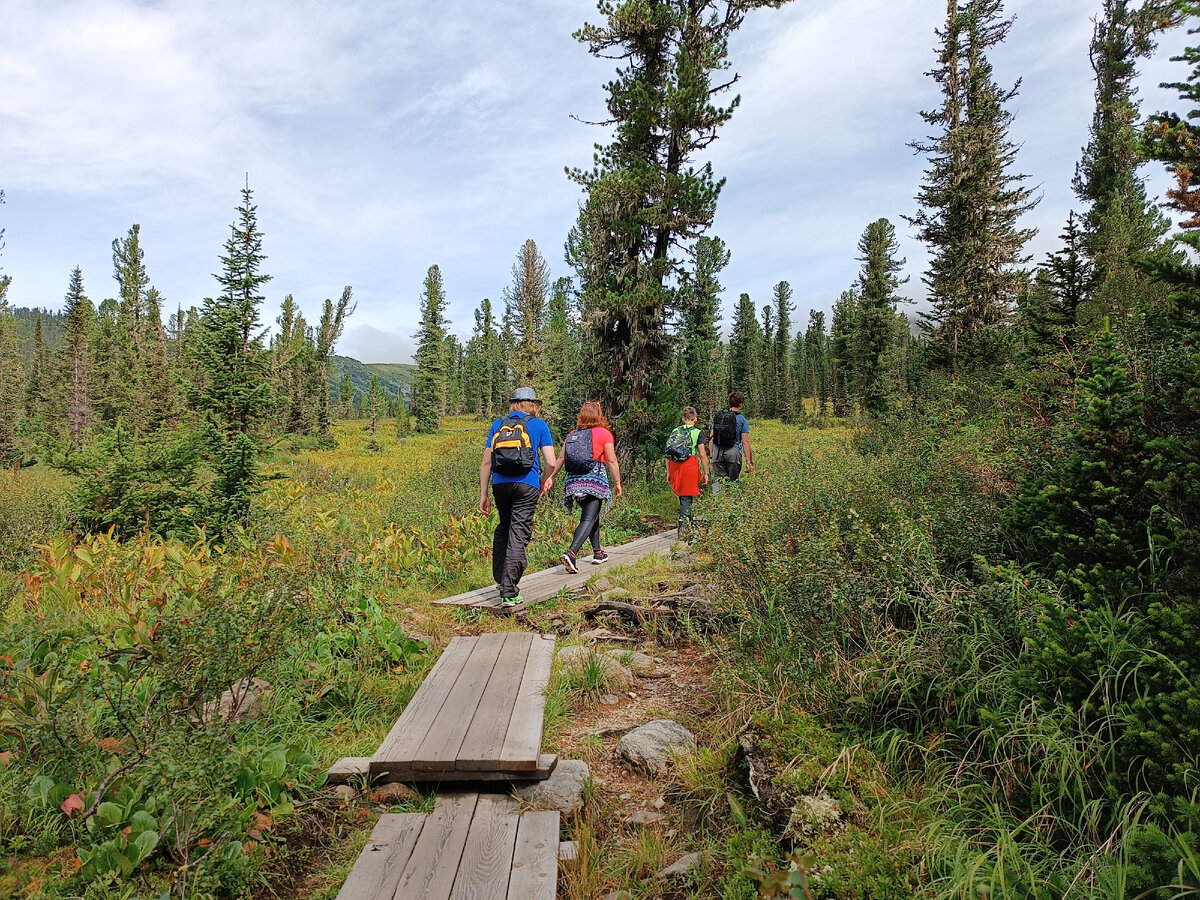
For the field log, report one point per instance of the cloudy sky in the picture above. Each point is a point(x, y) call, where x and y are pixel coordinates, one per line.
point(383, 136)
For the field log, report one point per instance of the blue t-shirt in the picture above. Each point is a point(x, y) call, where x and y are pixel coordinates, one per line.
point(743, 427)
point(539, 433)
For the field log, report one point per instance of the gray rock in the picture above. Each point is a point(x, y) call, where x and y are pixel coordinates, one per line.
point(576, 660)
point(651, 747)
point(681, 866)
point(242, 701)
point(600, 585)
point(610, 699)
point(645, 817)
point(563, 790)
point(638, 663)
point(620, 595)
point(345, 793)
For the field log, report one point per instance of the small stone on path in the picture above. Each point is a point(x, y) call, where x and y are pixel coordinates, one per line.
point(681, 866)
point(645, 817)
point(609, 699)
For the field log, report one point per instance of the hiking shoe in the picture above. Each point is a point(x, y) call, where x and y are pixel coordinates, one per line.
point(511, 601)
point(568, 561)
point(599, 558)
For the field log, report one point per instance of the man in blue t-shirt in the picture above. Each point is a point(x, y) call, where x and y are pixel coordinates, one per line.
point(516, 496)
point(727, 460)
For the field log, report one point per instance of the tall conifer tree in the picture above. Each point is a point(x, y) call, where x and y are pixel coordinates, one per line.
point(875, 331)
point(429, 383)
point(701, 377)
point(648, 198)
point(971, 201)
point(75, 361)
point(1119, 224)
point(783, 390)
point(525, 301)
point(236, 395)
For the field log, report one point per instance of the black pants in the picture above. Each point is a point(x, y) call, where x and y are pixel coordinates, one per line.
point(685, 509)
point(516, 504)
point(589, 523)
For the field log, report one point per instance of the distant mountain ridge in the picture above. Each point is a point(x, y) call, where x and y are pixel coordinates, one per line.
point(394, 377)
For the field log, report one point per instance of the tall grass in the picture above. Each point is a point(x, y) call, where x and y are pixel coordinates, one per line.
point(865, 582)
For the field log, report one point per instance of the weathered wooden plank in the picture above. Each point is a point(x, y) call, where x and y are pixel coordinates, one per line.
point(539, 586)
point(486, 865)
point(430, 871)
point(346, 768)
point(414, 723)
point(535, 858)
point(523, 741)
point(380, 866)
point(545, 768)
point(484, 739)
point(439, 750)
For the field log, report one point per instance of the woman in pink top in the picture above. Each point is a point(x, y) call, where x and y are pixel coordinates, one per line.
point(588, 483)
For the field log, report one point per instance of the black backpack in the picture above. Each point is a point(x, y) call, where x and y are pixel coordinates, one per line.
point(512, 448)
point(577, 452)
point(725, 428)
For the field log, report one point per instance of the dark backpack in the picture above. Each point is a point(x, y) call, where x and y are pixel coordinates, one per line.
point(577, 452)
point(512, 448)
point(680, 444)
point(725, 428)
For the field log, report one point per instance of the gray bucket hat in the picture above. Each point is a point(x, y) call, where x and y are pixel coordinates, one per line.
point(524, 393)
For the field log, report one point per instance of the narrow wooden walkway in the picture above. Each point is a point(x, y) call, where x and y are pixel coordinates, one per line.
point(477, 846)
point(478, 714)
point(543, 585)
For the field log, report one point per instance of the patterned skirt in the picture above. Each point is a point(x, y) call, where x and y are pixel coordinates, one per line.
point(590, 484)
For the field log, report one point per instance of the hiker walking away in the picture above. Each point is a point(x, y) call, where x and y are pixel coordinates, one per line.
point(587, 451)
point(510, 463)
point(729, 443)
point(687, 465)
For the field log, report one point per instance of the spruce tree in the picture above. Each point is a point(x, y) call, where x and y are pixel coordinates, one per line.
point(1050, 310)
point(648, 197)
point(745, 340)
point(701, 377)
point(75, 361)
point(784, 389)
point(1120, 224)
point(429, 382)
point(875, 331)
point(130, 370)
point(842, 357)
point(374, 402)
point(525, 301)
point(970, 200)
point(816, 354)
point(562, 346)
point(236, 395)
point(36, 387)
point(763, 399)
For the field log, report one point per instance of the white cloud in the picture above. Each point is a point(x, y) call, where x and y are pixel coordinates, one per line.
point(382, 136)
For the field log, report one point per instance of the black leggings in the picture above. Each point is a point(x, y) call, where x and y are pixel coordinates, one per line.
point(589, 523)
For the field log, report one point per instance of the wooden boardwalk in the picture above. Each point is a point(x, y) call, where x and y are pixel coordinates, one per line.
point(477, 846)
point(477, 715)
point(543, 585)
